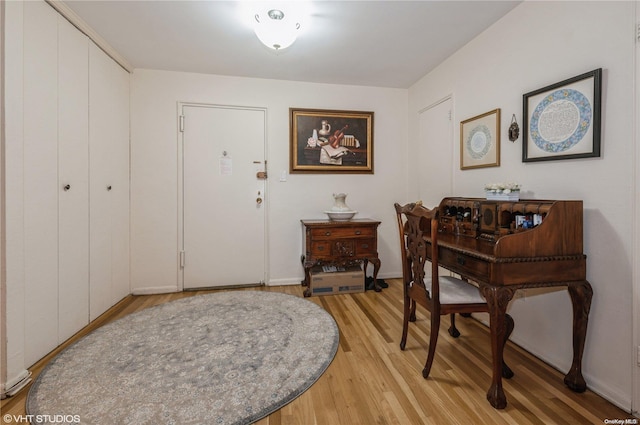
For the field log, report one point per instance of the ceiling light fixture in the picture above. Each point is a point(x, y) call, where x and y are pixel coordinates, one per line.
point(276, 31)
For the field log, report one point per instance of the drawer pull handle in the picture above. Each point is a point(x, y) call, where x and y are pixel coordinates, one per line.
point(461, 260)
point(358, 232)
point(365, 245)
point(327, 234)
point(320, 248)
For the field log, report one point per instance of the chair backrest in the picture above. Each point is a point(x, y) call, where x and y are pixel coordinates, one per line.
point(414, 223)
point(406, 261)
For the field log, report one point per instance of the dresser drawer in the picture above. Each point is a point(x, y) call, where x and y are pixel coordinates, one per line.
point(320, 249)
point(366, 247)
point(340, 233)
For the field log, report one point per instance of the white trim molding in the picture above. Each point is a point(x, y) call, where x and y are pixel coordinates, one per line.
point(635, 390)
point(3, 239)
point(151, 290)
point(83, 27)
point(13, 386)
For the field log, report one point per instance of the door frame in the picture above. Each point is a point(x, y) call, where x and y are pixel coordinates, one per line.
point(635, 356)
point(180, 191)
point(448, 98)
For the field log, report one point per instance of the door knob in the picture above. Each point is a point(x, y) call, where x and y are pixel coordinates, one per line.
point(258, 201)
point(67, 187)
point(109, 187)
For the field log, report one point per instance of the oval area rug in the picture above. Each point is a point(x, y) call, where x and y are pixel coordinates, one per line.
point(224, 358)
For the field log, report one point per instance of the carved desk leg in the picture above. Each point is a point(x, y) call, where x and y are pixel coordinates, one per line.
point(376, 267)
point(498, 298)
point(581, 294)
point(307, 277)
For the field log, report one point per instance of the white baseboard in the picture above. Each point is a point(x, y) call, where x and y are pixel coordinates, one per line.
point(155, 290)
point(12, 386)
point(273, 282)
point(298, 280)
point(390, 276)
point(613, 395)
point(284, 282)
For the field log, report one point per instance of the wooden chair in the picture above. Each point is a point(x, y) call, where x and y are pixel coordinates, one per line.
point(440, 295)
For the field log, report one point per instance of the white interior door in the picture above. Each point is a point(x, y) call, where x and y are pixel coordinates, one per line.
point(223, 220)
point(436, 152)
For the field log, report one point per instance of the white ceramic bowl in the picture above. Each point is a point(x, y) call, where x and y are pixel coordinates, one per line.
point(341, 215)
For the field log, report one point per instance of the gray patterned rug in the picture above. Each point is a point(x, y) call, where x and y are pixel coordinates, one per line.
point(223, 358)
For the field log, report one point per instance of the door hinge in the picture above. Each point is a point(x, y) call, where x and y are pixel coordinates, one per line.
point(638, 32)
point(181, 119)
point(449, 115)
point(182, 259)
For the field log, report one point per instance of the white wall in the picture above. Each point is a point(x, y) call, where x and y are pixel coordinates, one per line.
point(154, 155)
point(538, 44)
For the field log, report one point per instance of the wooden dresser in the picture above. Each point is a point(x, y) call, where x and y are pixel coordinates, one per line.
point(339, 243)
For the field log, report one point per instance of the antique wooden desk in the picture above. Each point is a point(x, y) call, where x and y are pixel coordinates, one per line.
point(339, 243)
point(505, 246)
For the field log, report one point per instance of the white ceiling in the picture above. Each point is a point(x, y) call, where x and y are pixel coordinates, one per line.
point(372, 43)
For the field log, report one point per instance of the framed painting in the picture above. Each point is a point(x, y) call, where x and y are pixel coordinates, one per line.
point(480, 141)
point(328, 141)
point(562, 121)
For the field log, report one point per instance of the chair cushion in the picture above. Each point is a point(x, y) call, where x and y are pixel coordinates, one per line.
point(456, 291)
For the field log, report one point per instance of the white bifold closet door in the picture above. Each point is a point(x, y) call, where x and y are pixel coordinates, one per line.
point(73, 178)
point(76, 180)
point(109, 181)
point(55, 155)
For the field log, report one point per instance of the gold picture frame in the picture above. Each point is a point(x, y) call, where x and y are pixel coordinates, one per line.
point(480, 141)
point(330, 141)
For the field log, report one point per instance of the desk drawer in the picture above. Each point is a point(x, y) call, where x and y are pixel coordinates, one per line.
point(463, 264)
point(340, 233)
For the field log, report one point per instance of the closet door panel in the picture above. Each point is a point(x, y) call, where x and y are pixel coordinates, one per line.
point(40, 179)
point(109, 181)
point(100, 159)
point(120, 265)
point(73, 183)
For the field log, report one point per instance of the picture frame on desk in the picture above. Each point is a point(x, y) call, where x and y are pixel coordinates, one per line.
point(562, 120)
point(330, 141)
point(480, 141)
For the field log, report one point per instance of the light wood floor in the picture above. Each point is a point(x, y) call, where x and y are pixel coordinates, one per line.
point(371, 381)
